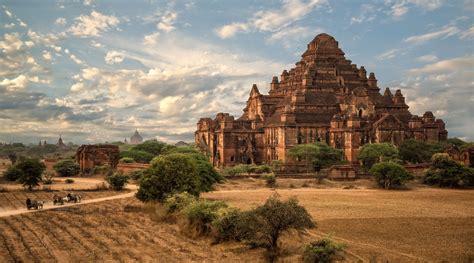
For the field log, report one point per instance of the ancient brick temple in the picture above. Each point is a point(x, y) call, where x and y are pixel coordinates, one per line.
point(325, 98)
point(90, 156)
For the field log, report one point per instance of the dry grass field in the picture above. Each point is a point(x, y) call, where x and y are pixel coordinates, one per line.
point(419, 225)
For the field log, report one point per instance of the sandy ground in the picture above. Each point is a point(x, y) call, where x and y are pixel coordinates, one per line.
point(425, 224)
point(418, 225)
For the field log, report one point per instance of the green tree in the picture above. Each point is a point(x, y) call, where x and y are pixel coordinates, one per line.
point(31, 172)
point(126, 160)
point(137, 155)
point(66, 167)
point(389, 174)
point(12, 173)
point(117, 181)
point(169, 174)
point(208, 176)
point(316, 156)
point(265, 224)
point(373, 153)
point(446, 172)
point(455, 141)
point(152, 147)
point(415, 151)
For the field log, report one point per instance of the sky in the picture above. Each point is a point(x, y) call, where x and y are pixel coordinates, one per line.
point(95, 71)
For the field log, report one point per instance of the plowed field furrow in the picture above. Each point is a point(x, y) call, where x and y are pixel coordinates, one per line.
point(41, 234)
point(11, 201)
point(7, 252)
point(32, 239)
point(97, 232)
point(24, 250)
point(19, 201)
point(66, 247)
point(69, 236)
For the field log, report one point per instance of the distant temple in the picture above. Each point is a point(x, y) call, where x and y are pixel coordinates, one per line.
point(136, 138)
point(60, 142)
point(324, 98)
point(90, 156)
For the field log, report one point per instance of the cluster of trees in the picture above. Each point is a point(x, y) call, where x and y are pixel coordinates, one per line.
point(145, 152)
point(15, 151)
point(384, 161)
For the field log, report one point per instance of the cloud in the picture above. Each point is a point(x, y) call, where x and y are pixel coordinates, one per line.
point(398, 8)
point(443, 34)
point(167, 21)
point(75, 59)
point(87, 2)
point(17, 83)
point(114, 57)
point(77, 87)
point(230, 30)
point(11, 43)
point(47, 55)
point(291, 36)
point(427, 58)
point(8, 26)
point(8, 13)
point(468, 34)
point(272, 20)
point(93, 25)
point(60, 21)
point(388, 54)
point(152, 39)
point(460, 63)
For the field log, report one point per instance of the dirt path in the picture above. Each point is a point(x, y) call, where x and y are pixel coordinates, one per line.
point(49, 206)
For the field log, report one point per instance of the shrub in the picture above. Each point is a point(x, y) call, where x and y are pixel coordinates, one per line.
point(178, 202)
point(127, 160)
point(12, 173)
point(66, 167)
point(202, 213)
point(169, 174)
point(103, 170)
point(388, 174)
point(117, 181)
point(136, 175)
point(415, 151)
point(446, 172)
point(324, 250)
point(69, 181)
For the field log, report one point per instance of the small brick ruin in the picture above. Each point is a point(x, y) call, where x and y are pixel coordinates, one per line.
point(90, 156)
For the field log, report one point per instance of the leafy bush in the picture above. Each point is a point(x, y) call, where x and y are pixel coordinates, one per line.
point(247, 169)
point(446, 172)
point(388, 174)
point(178, 202)
point(202, 213)
point(169, 174)
point(136, 174)
point(117, 181)
point(324, 250)
point(103, 170)
point(12, 173)
point(69, 181)
point(316, 156)
point(127, 160)
point(66, 168)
